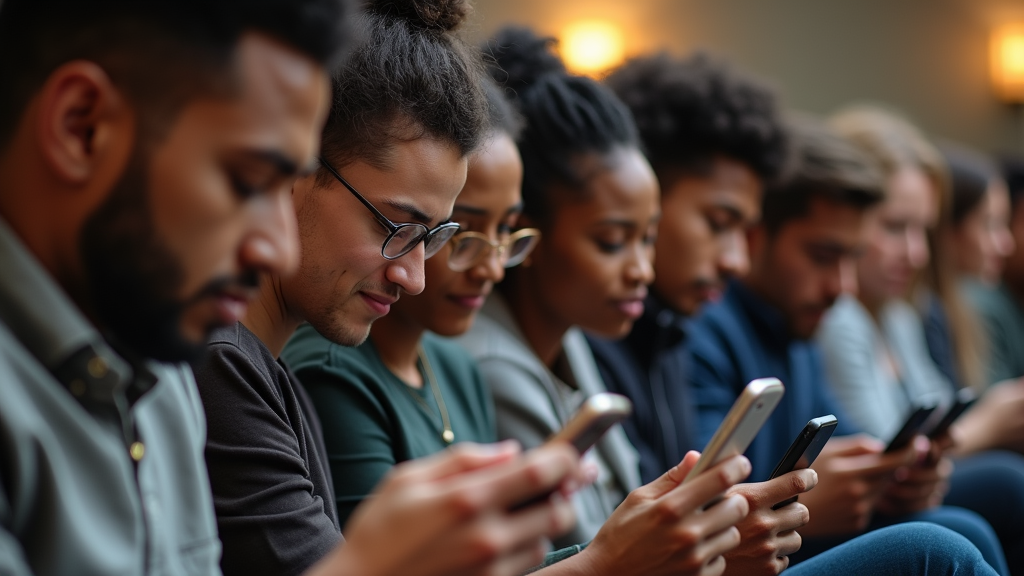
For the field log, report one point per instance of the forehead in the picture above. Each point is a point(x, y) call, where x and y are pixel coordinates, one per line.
point(827, 222)
point(727, 183)
point(280, 99)
point(622, 180)
point(495, 173)
point(911, 190)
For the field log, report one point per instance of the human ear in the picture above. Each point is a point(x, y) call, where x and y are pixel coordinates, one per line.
point(83, 119)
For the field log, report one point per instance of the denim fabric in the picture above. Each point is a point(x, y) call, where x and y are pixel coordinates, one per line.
point(910, 548)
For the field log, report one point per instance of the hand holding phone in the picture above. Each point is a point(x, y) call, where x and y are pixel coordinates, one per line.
point(804, 449)
point(911, 428)
point(965, 398)
point(744, 420)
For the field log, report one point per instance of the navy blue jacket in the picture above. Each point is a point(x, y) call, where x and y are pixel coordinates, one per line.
point(742, 338)
point(651, 366)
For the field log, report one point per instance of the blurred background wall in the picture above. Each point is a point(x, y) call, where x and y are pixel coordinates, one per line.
point(927, 58)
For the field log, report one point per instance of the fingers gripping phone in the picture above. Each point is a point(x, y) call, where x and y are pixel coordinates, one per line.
point(965, 398)
point(804, 449)
point(910, 428)
point(750, 411)
point(593, 418)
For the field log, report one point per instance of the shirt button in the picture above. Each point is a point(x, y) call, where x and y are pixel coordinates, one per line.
point(97, 367)
point(137, 451)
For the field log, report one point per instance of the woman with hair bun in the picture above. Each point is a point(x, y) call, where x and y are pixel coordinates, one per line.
point(408, 110)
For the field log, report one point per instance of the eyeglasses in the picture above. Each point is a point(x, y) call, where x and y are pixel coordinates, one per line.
point(402, 238)
point(470, 248)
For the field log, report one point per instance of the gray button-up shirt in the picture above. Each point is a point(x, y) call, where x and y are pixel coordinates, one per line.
point(101, 461)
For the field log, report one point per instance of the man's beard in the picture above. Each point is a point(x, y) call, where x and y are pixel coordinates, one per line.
point(133, 280)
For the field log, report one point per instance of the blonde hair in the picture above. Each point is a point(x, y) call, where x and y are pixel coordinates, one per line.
point(896, 144)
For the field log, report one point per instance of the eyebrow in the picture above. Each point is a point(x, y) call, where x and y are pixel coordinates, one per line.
point(283, 164)
point(474, 211)
point(414, 213)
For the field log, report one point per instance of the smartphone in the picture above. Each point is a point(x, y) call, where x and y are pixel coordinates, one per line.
point(593, 418)
point(910, 428)
point(965, 398)
point(804, 449)
point(750, 411)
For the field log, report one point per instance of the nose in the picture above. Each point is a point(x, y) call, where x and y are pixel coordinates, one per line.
point(639, 267)
point(407, 271)
point(733, 257)
point(490, 267)
point(845, 278)
point(272, 242)
point(917, 248)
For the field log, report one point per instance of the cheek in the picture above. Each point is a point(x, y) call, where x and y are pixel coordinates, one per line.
point(200, 220)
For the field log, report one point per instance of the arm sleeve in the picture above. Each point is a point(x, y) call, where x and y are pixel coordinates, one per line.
point(358, 433)
point(268, 517)
point(523, 408)
point(848, 348)
point(12, 557)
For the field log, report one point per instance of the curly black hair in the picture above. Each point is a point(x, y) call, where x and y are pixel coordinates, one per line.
point(689, 111)
point(412, 76)
point(566, 116)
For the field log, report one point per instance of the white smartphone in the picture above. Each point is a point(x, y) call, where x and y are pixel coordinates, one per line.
point(744, 420)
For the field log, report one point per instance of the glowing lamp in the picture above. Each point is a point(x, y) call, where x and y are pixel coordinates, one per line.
point(1008, 62)
point(591, 47)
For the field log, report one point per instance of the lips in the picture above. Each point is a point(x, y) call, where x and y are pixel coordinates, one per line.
point(632, 306)
point(231, 308)
point(380, 304)
point(470, 301)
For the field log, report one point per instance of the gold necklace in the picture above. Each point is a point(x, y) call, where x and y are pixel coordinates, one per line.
point(428, 372)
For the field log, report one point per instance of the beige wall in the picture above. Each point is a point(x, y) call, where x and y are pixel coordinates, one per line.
point(927, 58)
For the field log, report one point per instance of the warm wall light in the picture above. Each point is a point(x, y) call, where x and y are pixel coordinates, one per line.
point(592, 46)
point(1008, 62)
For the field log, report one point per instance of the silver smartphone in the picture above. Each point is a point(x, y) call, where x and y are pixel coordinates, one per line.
point(750, 411)
point(594, 417)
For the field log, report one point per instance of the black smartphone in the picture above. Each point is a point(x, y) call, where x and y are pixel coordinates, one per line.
point(911, 428)
point(965, 398)
point(804, 449)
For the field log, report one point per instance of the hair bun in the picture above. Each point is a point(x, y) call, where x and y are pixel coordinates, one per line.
point(518, 57)
point(438, 15)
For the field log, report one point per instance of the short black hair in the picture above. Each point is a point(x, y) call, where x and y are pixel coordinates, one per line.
point(970, 174)
point(689, 111)
point(566, 116)
point(161, 53)
point(826, 166)
point(411, 76)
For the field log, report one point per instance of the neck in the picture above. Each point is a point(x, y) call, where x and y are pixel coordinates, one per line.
point(542, 328)
point(873, 304)
point(397, 340)
point(268, 317)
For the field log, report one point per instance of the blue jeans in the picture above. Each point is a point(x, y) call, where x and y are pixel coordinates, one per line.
point(992, 484)
point(909, 548)
point(966, 523)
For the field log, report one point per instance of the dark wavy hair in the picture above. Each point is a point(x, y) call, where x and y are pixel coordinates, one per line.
point(689, 111)
point(566, 116)
point(970, 174)
point(411, 77)
point(161, 53)
point(826, 166)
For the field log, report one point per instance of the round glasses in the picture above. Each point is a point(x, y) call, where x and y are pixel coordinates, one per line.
point(402, 238)
point(470, 248)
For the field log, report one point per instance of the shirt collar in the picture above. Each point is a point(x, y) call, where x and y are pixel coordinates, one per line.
point(52, 328)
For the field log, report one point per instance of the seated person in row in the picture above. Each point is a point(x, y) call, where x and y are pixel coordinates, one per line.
point(803, 256)
point(406, 392)
point(394, 149)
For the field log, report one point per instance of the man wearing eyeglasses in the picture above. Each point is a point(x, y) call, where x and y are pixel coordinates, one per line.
point(365, 225)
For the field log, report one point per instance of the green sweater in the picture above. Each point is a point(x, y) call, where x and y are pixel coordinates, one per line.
point(372, 420)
